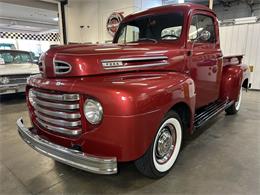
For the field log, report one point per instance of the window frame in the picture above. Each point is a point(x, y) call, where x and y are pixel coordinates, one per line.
point(207, 14)
point(182, 34)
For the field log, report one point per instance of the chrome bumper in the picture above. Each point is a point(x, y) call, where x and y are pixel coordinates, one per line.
point(74, 158)
point(12, 88)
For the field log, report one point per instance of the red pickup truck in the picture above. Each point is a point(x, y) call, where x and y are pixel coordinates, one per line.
point(164, 76)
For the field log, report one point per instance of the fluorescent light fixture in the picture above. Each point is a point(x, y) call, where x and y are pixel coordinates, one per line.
point(180, 1)
point(245, 20)
point(56, 19)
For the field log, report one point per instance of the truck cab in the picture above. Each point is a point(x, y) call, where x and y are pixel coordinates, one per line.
point(164, 76)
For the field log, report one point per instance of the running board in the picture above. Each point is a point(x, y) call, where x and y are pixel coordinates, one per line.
point(209, 112)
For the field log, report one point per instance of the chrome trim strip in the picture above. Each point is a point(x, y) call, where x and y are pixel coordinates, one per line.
point(62, 130)
point(137, 66)
point(64, 115)
point(60, 122)
point(135, 59)
point(63, 97)
point(55, 67)
point(56, 105)
point(80, 160)
point(4, 86)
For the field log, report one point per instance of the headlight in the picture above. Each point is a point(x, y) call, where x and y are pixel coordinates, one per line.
point(93, 111)
point(4, 80)
point(31, 97)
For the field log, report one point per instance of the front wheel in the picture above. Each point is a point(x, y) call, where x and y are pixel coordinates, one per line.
point(234, 108)
point(163, 152)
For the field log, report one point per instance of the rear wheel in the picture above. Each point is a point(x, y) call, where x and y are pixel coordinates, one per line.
point(163, 152)
point(234, 108)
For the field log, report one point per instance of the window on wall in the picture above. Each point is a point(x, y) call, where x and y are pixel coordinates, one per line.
point(199, 24)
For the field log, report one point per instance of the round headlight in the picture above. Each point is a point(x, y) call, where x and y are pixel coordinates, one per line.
point(93, 111)
point(31, 97)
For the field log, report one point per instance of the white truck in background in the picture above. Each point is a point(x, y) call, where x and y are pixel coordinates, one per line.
point(15, 67)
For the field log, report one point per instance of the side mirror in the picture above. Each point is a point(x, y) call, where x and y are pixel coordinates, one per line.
point(204, 35)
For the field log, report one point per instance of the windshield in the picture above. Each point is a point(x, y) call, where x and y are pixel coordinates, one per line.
point(14, 57)
point(151, 28)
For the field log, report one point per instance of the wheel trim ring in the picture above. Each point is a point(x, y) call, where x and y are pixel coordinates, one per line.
point(167, 165)
point(168, 155)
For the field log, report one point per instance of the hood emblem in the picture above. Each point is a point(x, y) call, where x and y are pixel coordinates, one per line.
point(139, 62)
point(109, 64)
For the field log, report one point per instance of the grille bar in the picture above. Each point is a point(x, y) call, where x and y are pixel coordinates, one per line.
point(71, 106)
point(63, 97)
point(59, 122)
point(59, 129)
point(59, 114)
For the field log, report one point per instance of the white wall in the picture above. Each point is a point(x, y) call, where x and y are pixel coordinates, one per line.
point(243, 39)
point(72, 13)
point(146, 4)
point(93, 15)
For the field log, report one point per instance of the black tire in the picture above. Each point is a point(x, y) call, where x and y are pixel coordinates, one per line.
point(148, 164)
point(234, 108)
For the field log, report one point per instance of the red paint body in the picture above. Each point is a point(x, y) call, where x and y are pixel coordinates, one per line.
point(135, 100)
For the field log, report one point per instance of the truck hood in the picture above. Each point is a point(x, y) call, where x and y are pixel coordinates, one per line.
point(83, 60)
point(17, 69)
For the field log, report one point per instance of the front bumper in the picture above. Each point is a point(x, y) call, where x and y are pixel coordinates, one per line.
point(12, 88)
point(74, 158)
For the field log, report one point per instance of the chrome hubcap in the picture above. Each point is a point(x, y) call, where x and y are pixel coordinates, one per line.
point(165, 144)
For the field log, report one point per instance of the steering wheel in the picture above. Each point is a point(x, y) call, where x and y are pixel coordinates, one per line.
point(169, 35)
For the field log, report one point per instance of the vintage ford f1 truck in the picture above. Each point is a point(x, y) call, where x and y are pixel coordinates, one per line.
point(164, 76)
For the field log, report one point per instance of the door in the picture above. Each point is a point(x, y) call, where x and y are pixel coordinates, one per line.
point(205, 59)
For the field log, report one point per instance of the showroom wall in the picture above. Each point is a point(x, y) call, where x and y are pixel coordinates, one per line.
point(86, 20)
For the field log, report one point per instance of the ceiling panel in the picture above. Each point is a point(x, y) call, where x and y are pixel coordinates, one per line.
point(15, 16)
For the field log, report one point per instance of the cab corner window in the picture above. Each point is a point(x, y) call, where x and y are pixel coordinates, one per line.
point(129, 34)
point(202, 29)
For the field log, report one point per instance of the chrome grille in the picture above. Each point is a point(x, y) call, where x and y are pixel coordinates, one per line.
point(17, 79)
point(57, 112)
point(61, 67)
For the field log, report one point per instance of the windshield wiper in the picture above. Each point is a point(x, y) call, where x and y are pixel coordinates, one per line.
point(148, 39)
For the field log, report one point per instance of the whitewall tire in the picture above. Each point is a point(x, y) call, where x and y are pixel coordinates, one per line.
point(234, 108)
point(163, 152)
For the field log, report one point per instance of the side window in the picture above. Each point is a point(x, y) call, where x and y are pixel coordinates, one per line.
point(199, 24)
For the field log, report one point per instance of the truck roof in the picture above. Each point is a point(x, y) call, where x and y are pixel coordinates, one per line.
point(186, 7)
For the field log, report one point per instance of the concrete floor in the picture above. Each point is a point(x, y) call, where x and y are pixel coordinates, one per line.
point(223, 159)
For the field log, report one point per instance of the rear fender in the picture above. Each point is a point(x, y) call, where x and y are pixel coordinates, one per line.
point(233, 77)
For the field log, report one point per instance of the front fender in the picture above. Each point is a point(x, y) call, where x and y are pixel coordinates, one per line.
point(141, 107)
